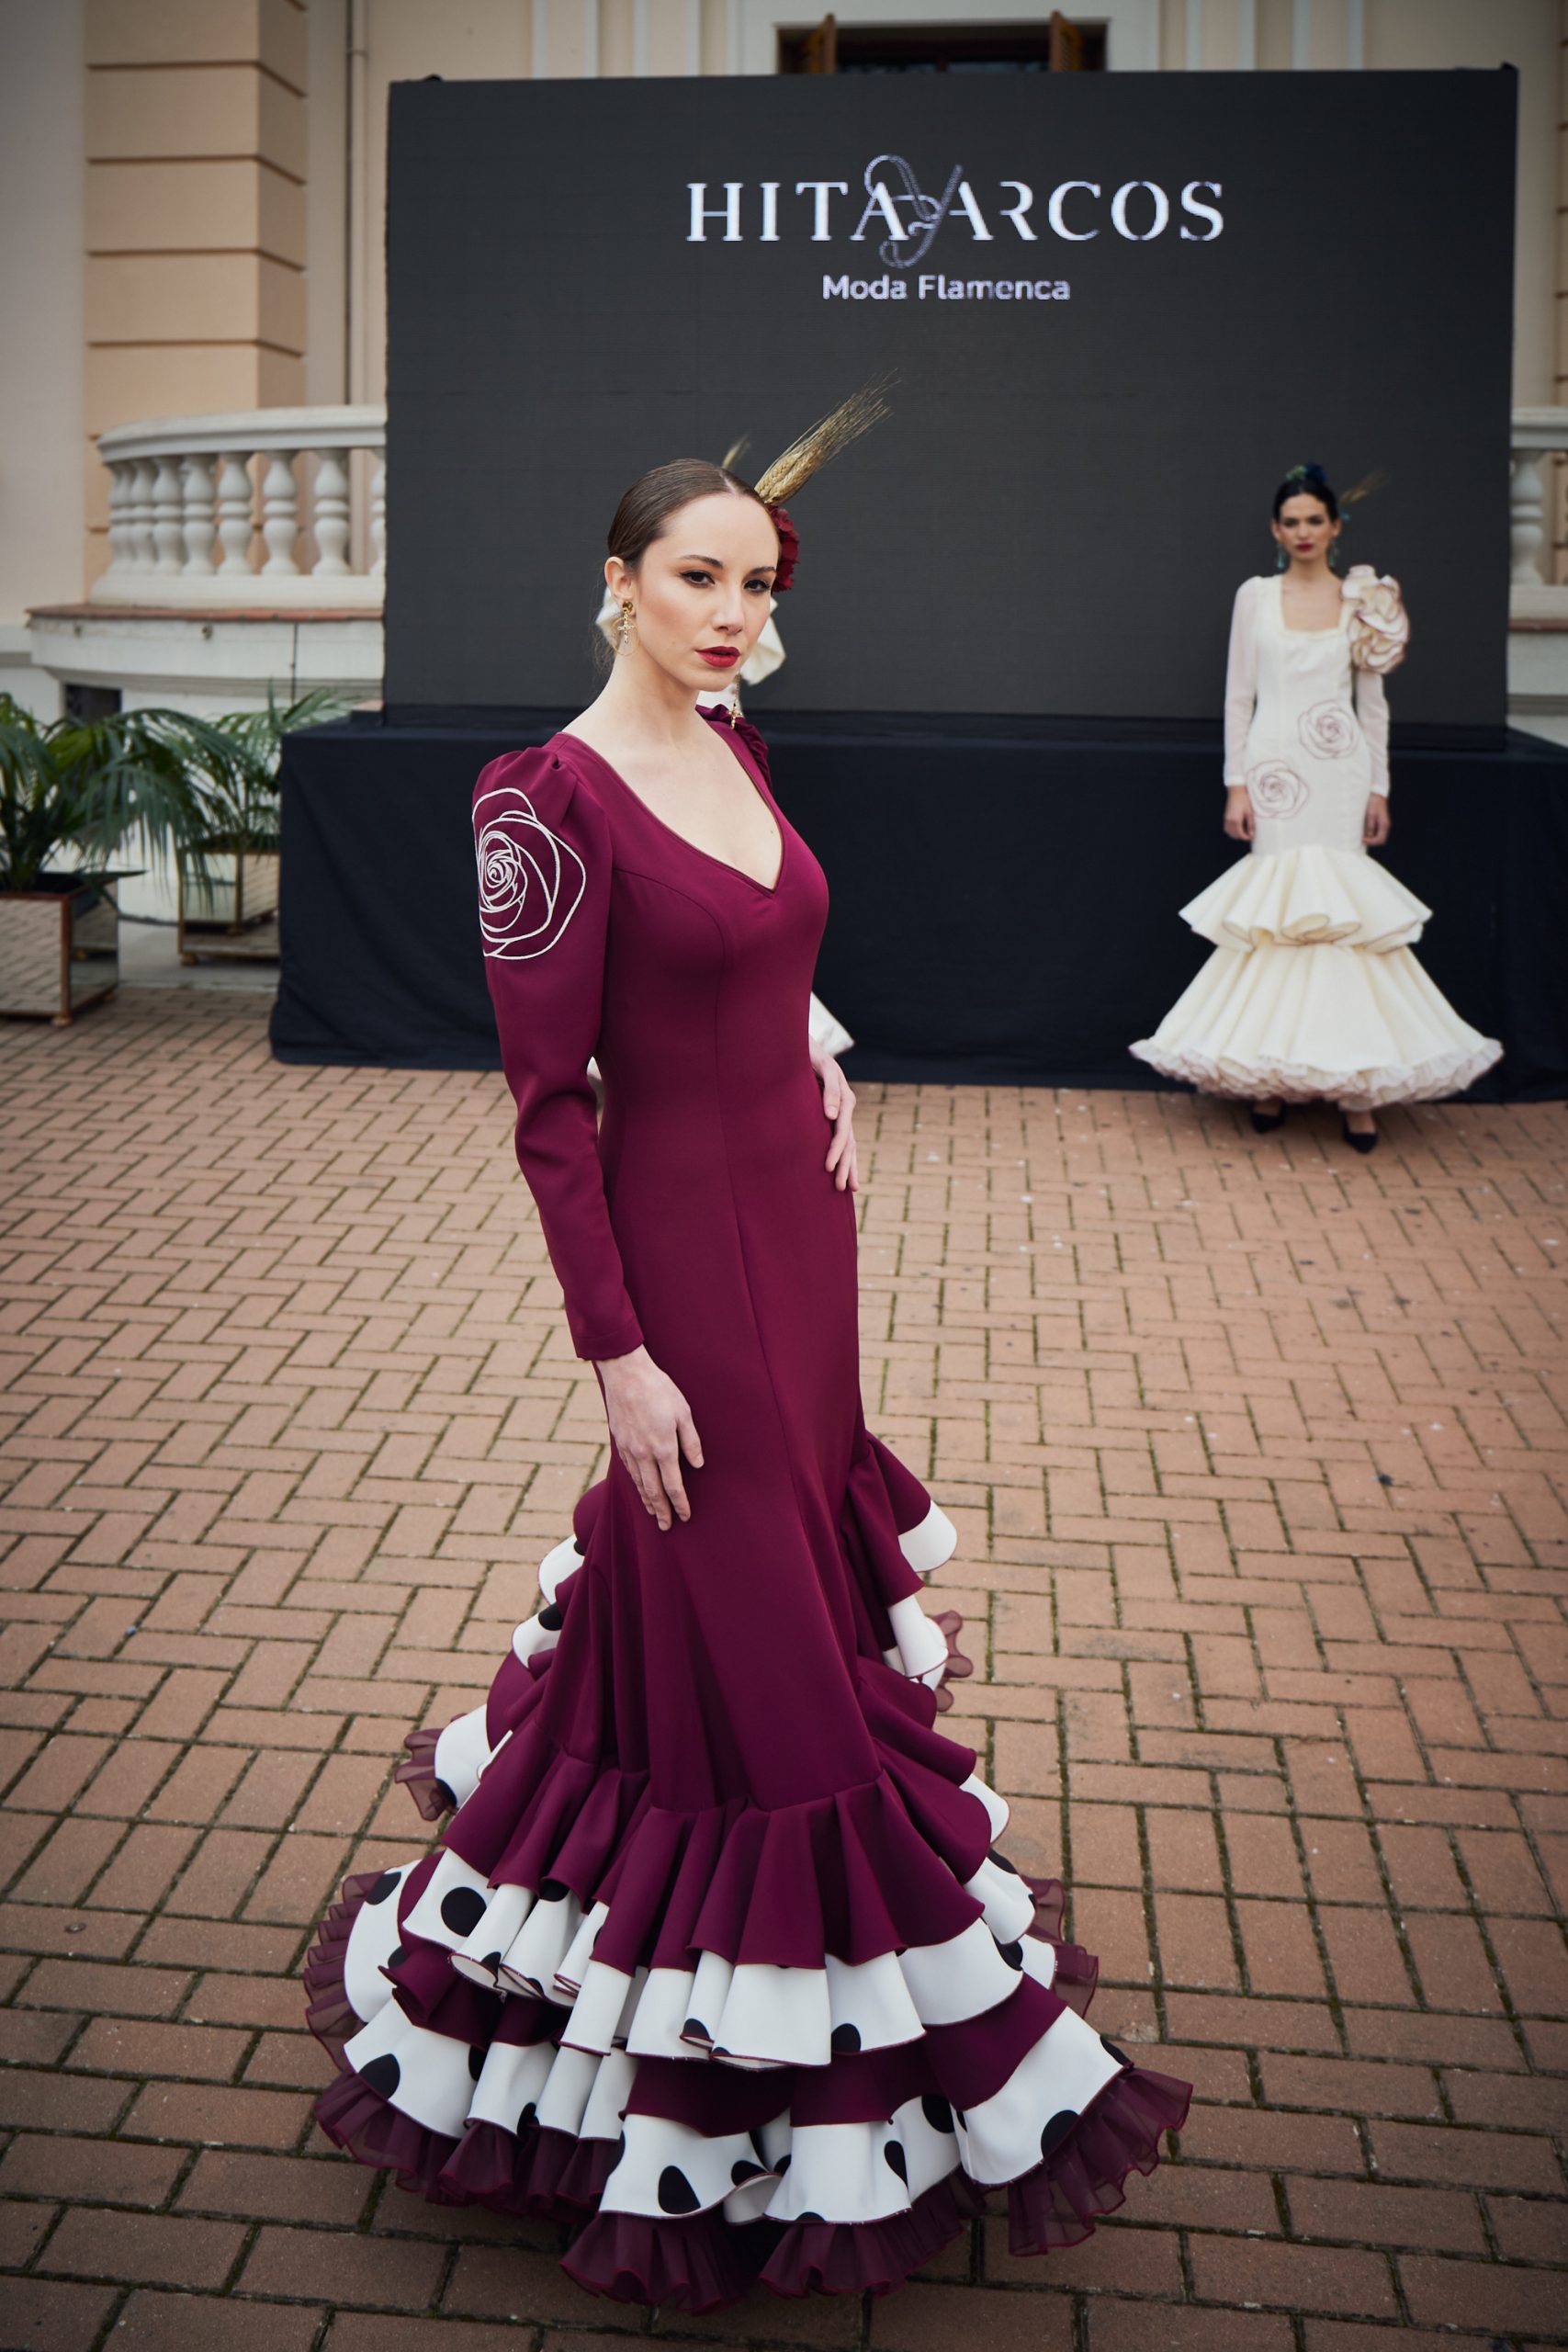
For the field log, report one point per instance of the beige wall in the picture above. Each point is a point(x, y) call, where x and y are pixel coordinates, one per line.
point(41, 301)
point(196, 149)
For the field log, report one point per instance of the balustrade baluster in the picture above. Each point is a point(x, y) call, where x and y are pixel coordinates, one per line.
point(168, 525)
point(198, 515)
point(141, 516)
point(379, 519)
point(234, 520)
point(329, 514)
point(122, 539)
point(1527, 517)
point(280, 512)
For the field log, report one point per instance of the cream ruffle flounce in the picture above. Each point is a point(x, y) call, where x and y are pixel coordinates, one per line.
point(1314, 1023)
point(1303, 895)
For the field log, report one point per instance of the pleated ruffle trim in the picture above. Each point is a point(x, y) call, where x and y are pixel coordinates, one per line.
point(796, 2046)
point(1308, 897)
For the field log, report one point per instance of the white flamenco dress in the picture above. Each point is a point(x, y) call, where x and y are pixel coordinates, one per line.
point(1311, 993)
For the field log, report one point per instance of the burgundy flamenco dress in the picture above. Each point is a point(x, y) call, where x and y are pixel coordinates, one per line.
point(715, 1961)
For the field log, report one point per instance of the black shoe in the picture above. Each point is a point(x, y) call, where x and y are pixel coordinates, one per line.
point(1364, 1144)
point(1267, 1122)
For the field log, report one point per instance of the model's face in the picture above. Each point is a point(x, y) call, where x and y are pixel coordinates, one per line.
point(1303, 529)
point(701, 589)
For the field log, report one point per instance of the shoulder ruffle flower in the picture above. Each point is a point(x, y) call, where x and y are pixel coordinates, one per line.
point(530, 884)
point(1274, 788)
point(1380, 626)
point(789, 550)
point(1329, 730)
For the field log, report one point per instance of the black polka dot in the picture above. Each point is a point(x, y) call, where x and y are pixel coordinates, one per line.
point(937, 2112)
point(524, 2121)
point(1013, 1954)
point(958, 2116)
point(463, 1909)
point(676, 2193)
point(783, 2165)
point(809, 2217)
point(741, 2171)
point(1120, 2056)
point(694, 2031)
point(382, 2074)
point(476, 2060)
point(491, 1960)
point(1056, 2130)
point(1002, 1863)
point(396, 1957)
point(386, 1884)
point(896, 2160)
point(550, 1618)
point(620, 2147)
point(575, 1545)
point(845, 2039)
point(551, 1891)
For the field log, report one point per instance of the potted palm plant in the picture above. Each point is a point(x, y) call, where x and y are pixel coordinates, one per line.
point(75, 796)
point(228, 878)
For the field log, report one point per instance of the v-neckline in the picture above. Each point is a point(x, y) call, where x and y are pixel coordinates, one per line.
point(765, 889)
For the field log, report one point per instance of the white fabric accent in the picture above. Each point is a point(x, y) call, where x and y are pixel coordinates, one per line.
point(962, 1978)
point(478, 1954)
point(560, 1562)
point(873, 2000)
point(598, 2009)
point(997, 1807)
point(1007, 1904)
point(1066, 2069)
point(511, 2080)
point(663, 2007)
point(1040, 1960)
point(533, 1640)
point(604, 2115)
point(710, 1992)
point(372, 1939)
point(1316, 1023)
point(668, 2169)
point(454, 1884)
point(774, 2015)
point(531, 1960)
point(1303, 895)
point(922, 1650)
point(928, 1546)
point(568, 2085)
point(433, 2082)
point(462, 1751)
point(570, 1974)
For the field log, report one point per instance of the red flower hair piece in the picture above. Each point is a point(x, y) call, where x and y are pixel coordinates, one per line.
point(789, 549)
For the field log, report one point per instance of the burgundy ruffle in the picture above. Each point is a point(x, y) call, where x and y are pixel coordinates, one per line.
point(329, 2013)
point(418, 1775)
point(697, 2263)
point(357, 2118)
point(1059, 2202)
point(855, 2257)
point(546, 2173)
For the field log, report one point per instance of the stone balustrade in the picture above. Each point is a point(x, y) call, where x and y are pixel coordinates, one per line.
point(1538, 435)
point(217, 511)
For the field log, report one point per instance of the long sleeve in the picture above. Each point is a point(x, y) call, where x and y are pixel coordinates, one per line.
point(542, 847)
point(1372, 709)
point(1241, 681)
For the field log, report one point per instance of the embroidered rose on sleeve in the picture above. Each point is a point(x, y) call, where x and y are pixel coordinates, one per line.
point(531, 884)
point(1329, 730)
point(1276, 788)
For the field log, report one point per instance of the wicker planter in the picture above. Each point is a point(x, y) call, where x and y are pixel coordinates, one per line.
point(59, 947)
point(232, 911)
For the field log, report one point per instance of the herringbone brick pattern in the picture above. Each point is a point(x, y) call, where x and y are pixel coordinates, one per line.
point(1259, 1456)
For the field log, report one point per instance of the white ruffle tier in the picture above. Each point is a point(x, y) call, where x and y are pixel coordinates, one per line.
point(1322, 1022)
point(1307, 896)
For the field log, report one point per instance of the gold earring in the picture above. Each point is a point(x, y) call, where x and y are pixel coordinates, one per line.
point(628, 614)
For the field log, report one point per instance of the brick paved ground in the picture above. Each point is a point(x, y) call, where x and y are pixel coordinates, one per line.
point(1259, 1465)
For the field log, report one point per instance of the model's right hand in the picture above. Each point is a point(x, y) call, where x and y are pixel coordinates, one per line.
point(1240, 822)
point(650, 1428)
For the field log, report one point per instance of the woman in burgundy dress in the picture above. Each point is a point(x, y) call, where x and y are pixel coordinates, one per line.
point(715, 1961)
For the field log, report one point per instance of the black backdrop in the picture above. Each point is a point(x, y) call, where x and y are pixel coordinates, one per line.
point(969, 938)
point(1057, 515)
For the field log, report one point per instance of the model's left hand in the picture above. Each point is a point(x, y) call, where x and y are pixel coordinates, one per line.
point(838, 1104)
point(1376, 830)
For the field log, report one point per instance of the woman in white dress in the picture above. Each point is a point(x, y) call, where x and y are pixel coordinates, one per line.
point(1312, 993)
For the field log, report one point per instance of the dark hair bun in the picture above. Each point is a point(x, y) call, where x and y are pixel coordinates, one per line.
point(1307, 481)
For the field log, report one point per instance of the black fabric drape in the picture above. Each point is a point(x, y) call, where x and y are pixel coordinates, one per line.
point(1005, 895)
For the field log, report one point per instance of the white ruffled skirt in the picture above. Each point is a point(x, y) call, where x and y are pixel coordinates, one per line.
point(1313, 993)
